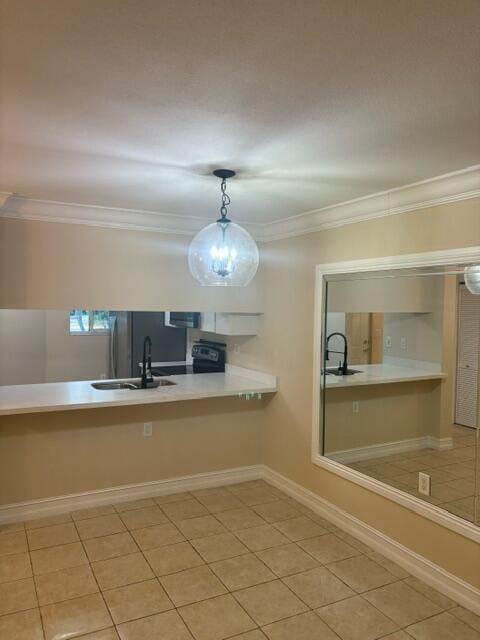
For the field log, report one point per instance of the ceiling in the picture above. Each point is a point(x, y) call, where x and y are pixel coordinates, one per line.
point(132, 103)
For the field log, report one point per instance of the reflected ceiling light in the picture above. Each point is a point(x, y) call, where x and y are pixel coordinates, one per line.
point(223, 253)
point(472, 278)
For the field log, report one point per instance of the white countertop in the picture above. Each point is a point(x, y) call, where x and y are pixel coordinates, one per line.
point(383, 374)
point(63, 396)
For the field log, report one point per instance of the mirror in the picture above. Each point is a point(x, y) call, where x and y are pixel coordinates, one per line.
point(40, 346)
point(400, 383)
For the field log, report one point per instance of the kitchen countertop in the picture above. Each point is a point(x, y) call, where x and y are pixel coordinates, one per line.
point(64, 396)
point(382, 374)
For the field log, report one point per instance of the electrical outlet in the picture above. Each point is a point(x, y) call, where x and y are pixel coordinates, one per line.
point(424, 483)
point(147, 429)
point(103, 376)
point(236, 348)
point(388, 341)
point(355, 406)
point(403, 343)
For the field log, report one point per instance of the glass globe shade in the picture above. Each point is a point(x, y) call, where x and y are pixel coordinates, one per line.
point(472, 278)
point(223, 254)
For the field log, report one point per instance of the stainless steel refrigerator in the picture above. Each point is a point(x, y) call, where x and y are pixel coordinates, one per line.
point(127, 333)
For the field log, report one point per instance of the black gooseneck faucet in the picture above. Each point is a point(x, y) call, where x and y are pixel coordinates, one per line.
point(343, 367)
point(147, 363)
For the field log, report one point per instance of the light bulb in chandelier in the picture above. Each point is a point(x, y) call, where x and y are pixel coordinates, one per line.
point(223, 253)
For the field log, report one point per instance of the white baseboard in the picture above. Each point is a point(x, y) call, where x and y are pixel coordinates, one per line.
point(62, 504)
point(437, 577)
point(389, 448)
point(445, 582)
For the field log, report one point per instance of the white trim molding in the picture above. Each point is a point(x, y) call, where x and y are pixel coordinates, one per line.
point(434, 575)
point(466, 255)
point(451, 187)
point(373, 451)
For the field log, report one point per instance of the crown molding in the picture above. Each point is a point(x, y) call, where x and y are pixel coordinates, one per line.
point(451, 187)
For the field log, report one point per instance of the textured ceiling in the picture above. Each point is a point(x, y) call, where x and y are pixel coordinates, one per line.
point(131, 103)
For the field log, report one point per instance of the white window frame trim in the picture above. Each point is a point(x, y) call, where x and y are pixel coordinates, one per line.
point(465, 255)
point(90, 332)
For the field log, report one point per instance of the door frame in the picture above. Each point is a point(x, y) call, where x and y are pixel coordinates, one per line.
point(465, 255)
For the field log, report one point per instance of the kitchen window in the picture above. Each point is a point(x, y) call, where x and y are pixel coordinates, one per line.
point(88, 322)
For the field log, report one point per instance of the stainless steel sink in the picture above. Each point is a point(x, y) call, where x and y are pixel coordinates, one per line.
point(132, 385)
point(338, 372)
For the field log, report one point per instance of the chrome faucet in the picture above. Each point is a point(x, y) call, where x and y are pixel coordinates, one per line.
point(342, 367)
point(147, 378)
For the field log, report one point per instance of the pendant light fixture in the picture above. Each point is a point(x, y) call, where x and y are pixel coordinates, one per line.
point(223, 254)
point(472, 278)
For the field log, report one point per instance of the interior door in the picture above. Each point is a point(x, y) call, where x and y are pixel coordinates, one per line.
point(358, 328)
point(468, 349)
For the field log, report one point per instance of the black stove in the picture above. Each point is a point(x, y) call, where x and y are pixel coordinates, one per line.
point(208, 357)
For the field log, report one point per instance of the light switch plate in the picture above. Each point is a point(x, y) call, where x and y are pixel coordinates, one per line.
point(147, 429)
point(403, 343)
point(355, 406)
point(388, 341)
point(424, 483)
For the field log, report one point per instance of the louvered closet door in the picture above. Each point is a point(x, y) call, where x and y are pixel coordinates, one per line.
point(467, 358)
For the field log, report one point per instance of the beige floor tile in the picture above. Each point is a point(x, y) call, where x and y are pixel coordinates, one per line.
point(157, 536)
point(354, 542)
point(173, 558)
point(57, 558)
point(356, 619)
point(442, 627)
point(117, 572)
point(121, 507)
point(12, 527)
point(397, 635)
point(173, 497)
point(13, 542)
point(192, 585)
point(328, 548)
point(387, 564)
point(430, 593)
point(219, 547)
point(15, 567)
point(118, 544)
point(287, 559)
point(217, 500)
point(269, 602)
point(105, 634)
point(242, 572)
point(137, 601)
point(361, 573)
point(250, 635)
point(300, 528)
point(216, 619)
point(48, 521)
point(184, 509)
point(93, 512)
point(82, 615)
point(17, 596)
point(318, 587)
point(467, 616)
point(52, 536)
point(200, 527)
point(264, 537)
point(65, 584)
point(164, 626)
point(402, 604)
point(255, 495)
point(24, 625)
point(242, 518)
point(306, 626)
point(99, 527)
point(276, 511)
point(146, 517)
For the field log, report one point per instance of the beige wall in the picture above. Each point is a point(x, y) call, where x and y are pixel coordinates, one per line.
point(41, 266)
point(288, 337)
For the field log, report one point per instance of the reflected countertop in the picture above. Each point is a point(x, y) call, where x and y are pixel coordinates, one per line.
point(63, 396)
point(371, 374)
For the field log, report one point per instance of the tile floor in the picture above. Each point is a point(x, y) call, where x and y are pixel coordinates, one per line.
point(242, 562)
point(452, 474)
